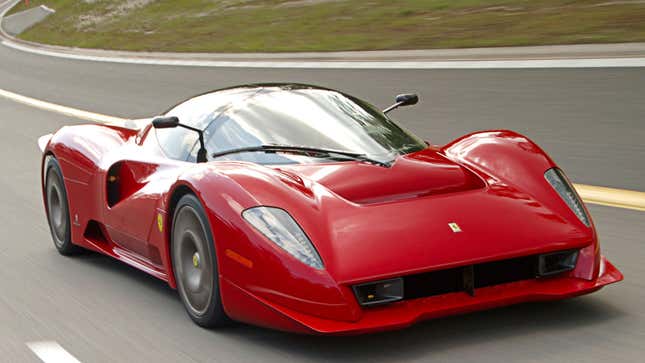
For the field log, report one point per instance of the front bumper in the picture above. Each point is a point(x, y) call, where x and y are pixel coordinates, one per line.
point(405, 313)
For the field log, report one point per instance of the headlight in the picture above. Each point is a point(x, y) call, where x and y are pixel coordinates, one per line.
point(280, 228)
point(559, 182)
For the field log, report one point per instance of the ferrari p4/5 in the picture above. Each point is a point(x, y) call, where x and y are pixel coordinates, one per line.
point(305, 209)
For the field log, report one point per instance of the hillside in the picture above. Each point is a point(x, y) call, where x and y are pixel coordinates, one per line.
point(328, 25)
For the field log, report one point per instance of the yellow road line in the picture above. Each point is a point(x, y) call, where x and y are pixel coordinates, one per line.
point(619, 198)
point(612, 197)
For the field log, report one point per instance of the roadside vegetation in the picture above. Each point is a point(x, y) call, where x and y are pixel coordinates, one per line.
point(330, 25)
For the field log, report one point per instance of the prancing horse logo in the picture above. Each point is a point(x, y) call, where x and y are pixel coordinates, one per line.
point(455, 227)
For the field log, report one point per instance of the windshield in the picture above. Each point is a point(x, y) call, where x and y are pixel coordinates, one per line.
point(307, 117)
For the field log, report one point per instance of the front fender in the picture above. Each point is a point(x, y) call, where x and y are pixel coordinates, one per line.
point(246, 258)
point(503, 155)
point(510, 159)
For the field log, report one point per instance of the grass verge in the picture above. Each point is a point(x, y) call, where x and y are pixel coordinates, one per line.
point(333, 25)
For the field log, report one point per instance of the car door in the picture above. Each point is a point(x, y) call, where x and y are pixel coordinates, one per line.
point(135, 183)
point(132, 193)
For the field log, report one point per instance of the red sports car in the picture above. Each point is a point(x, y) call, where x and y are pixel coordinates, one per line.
point(305, 209)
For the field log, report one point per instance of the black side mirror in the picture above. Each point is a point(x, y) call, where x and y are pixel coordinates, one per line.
point(407, 99)
point(165, 122)
point(403, 100)
point(169, 122)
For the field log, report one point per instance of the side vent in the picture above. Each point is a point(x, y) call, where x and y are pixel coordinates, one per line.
point(112, 185)
point(94, 233)
point(124, 179)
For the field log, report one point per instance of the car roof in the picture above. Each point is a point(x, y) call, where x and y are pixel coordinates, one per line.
point(240, 92)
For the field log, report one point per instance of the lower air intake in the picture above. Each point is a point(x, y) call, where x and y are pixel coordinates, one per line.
point(467, 278)
point(380, 292)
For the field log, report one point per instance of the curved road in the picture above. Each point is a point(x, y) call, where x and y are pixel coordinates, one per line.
point(592, 121)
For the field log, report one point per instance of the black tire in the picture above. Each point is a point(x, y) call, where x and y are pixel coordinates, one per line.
point(58, 209)
point(195, 264)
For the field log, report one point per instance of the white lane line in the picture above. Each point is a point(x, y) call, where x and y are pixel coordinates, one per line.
point(483, 64)
point(51, 352)
point(68, 111)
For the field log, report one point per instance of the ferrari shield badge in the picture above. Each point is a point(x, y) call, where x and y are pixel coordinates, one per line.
point(454, 227)
point(160, 222)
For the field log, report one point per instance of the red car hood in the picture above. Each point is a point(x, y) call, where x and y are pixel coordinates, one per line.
point(388, 222)
point(415, 175)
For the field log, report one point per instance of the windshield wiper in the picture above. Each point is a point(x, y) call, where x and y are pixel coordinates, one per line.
point(303, 150)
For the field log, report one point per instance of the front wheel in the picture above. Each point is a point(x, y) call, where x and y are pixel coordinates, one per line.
point(195, 264)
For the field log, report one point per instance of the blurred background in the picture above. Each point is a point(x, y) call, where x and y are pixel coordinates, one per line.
point(332, 25)
point(570, 74)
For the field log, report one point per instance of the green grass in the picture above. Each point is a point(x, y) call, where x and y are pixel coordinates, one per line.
point(318, 25)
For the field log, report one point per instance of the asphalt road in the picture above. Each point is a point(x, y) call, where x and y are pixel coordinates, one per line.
point(590, 120)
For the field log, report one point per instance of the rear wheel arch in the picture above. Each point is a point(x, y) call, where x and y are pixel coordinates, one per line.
point(43, 175)
point(56, 189)
point(46, 164)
